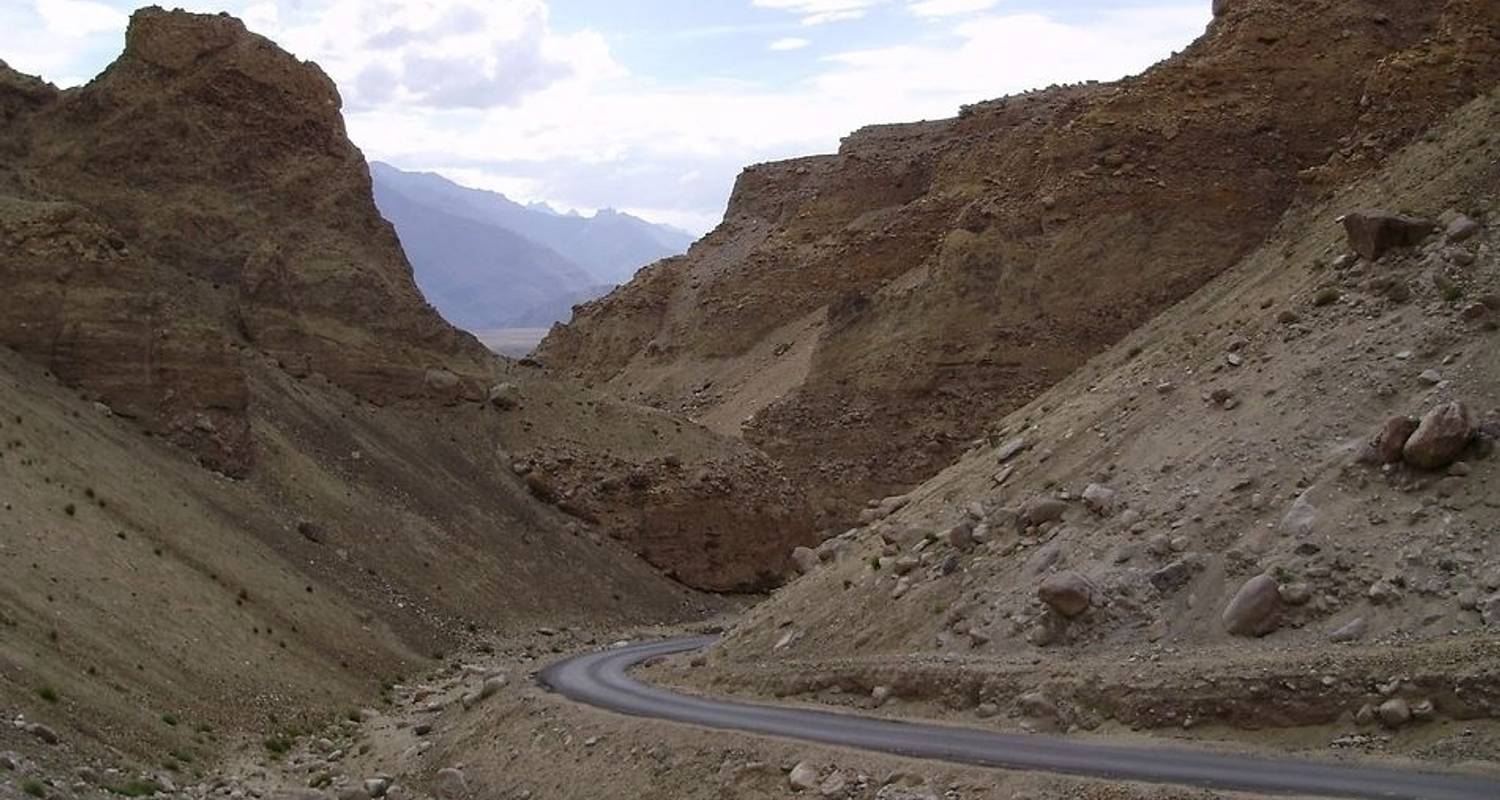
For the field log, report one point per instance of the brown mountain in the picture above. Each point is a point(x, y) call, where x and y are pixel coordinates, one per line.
point(863, 316)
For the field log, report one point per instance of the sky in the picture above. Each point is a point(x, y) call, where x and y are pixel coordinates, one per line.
point(647, 106)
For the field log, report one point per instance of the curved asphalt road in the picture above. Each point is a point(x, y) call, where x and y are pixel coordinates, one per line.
point(600, 679)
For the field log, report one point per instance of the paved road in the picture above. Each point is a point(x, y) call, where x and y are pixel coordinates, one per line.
point(600, 679)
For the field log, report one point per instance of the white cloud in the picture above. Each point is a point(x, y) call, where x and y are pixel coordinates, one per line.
point(434, 53)
point(948, 8)
point(78, 17)
point(819, 12)
point(789, 43)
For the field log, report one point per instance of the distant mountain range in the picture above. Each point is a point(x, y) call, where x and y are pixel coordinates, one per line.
point(487, 262)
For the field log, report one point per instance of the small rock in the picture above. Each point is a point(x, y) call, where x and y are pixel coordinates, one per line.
point(1296, 594)
point(1068, 593)
point(43, 732)
point(1044, 509)
point(805, 560)
point(1390, 444)
point(505, 396)
point(1462, 230)
point(834, 787)
point(377, 787)
point(1012, 448)
point(1352, 631)
point(1301, 519)
point(905, 565)
point(449, 783)
point(880, 695)
point(961, 536)
point(1255, 609)
point(987, 711)
point(1431, 377)
point(803, 778)
point(1101, 500)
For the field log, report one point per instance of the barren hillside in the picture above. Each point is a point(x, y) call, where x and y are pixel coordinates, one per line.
point(863, 316)
point(1270, 509)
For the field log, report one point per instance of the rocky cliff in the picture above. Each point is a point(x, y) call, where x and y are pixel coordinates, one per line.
point(863, 316)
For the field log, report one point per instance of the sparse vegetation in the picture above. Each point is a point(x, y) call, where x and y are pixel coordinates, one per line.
point(34, 787)
point(169, 720)
point(136, 787)
point(278, 745)
point(47, 693)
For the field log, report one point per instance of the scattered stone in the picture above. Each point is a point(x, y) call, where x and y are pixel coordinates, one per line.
point(1301, 519)
point(906, 565)
point(1044, 509)
point(961, 536)
point(1462, 230)
point(43, 732)
point(1384, 593)
point(1013, 448)
point(880, 695)
point(1255, 610)
point(804, 777)
point(450, 783)
point(805, 560)
point(1101, 500)
point(1068, 593)
point(1372, 234)
point(1296, 594)
point(489, 688)
point(505, 396)
point(1352, 631)
point(1441, 438)
point(1390, 444)
point(377, 787)
point(834, 786)
point(987, 711)
point(311, 531)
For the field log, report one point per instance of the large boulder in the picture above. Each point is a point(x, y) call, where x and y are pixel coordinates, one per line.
point(1372, 234)
point(1255, 609)
point(1441, 438)
point(1068, 593)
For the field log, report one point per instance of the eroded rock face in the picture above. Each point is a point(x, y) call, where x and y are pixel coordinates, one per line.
point(197, 202)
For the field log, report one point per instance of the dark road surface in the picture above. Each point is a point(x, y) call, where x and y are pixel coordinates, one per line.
point(600, 680)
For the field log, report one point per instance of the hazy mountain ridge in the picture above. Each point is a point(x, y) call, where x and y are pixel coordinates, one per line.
point(489, 262)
